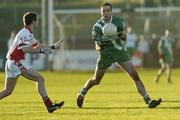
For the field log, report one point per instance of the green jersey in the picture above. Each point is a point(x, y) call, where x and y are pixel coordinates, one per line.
point(101, 40)
point(165, 48)
point(111, 50)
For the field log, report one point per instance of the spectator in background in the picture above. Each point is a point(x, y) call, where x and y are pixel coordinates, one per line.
point(143, 48)
point(131, 42)
point(165, 55)
point(153, 41)
point(11, 39)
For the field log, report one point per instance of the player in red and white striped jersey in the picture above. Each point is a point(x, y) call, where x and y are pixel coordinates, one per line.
point(17, 63)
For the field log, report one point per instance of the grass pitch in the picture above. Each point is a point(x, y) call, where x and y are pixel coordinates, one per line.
point(114, 99)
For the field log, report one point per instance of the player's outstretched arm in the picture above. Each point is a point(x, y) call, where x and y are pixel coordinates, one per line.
point(45, 49)
point(32, 50)
point(54, 46)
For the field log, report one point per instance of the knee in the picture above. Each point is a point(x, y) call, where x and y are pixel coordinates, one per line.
point(95, 81)
point(40, 79)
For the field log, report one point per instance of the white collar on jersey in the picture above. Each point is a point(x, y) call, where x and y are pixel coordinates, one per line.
point(104, 21)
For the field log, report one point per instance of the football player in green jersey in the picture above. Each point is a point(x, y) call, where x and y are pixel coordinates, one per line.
point(165, 56)
point(111, 49)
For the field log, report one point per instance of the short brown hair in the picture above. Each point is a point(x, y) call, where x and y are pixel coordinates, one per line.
point(29, 17)
point(107, 4)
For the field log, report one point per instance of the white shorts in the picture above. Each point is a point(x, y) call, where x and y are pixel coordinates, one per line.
point(13, 69)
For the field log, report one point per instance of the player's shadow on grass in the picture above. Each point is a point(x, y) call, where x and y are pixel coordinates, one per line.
point(119, 108)
point(173, 108)
point(101, 108)
point(171, 101)
point(114, 108)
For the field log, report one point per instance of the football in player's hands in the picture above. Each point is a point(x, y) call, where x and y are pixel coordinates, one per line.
point(109, 29)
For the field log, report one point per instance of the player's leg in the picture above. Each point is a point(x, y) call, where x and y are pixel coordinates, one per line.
point(98, 75)
point(9, 86)
point(129, 68)
point(168, 72)
point(12, 73)
point(160, 72)
point(35, 76)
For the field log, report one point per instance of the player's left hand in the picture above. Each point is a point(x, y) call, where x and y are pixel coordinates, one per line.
point(122, 35)
point(57, 44)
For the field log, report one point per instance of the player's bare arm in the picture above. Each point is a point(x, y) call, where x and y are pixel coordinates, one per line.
point(46, 49)
point(32, 50)
point(54, 46)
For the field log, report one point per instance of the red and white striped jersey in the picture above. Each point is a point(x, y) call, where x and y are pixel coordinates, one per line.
point(24, 38)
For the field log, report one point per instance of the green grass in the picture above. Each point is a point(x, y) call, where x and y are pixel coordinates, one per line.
point(115, 99)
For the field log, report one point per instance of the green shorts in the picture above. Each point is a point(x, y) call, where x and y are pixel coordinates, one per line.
point(111, 55)
point(168, 59)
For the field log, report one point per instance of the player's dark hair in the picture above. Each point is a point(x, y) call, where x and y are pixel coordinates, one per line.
point(107, 4)
point(29, 17)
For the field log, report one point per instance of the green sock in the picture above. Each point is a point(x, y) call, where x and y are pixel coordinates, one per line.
point(147, 98)
point(83, 92)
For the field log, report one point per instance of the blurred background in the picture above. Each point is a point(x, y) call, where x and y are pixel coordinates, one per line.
point(72, 21)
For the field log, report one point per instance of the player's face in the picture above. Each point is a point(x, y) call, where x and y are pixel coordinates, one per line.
point(106, 12)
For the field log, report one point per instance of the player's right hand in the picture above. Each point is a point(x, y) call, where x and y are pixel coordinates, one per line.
point(122, 35)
